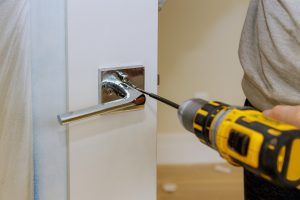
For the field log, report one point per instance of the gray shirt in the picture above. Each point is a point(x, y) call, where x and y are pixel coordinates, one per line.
point(270, 53)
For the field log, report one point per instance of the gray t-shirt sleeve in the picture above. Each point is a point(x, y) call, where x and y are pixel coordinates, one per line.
point(270, 53)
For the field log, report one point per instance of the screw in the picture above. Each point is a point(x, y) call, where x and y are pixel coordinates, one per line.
point(123, 76)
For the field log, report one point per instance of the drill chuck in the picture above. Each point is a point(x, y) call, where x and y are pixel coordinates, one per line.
point(187, 112)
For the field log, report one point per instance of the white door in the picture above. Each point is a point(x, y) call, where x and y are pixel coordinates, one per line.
point(111, 157)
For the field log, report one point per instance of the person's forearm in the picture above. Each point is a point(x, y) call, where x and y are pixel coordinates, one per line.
point(284, 113)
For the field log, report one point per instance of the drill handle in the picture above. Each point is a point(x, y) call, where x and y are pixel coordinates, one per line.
point(287, 160)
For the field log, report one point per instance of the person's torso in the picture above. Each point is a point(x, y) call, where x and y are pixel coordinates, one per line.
point(270, 53)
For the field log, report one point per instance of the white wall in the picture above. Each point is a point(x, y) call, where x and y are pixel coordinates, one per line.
point(15, 101)
point(198, 57)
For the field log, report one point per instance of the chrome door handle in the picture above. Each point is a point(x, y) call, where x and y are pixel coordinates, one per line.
point(130, 98)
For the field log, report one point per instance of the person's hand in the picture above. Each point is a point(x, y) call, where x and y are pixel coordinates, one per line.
point(284, 113)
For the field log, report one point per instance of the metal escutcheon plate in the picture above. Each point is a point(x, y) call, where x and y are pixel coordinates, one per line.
point(135, 74)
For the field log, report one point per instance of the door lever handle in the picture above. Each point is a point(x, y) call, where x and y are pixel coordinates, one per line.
point(130, 98)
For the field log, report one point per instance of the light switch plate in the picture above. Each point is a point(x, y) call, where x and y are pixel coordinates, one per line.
point(135, 74)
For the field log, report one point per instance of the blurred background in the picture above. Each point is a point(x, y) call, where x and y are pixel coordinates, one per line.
point(197, 58)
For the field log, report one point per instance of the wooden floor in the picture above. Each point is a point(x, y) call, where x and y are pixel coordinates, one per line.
point(196, 182)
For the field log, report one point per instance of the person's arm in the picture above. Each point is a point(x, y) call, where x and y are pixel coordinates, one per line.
point(284, 113)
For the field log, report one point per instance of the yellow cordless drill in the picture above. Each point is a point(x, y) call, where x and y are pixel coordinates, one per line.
point(244, 137)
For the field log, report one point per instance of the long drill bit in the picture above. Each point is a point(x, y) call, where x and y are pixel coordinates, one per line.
point(159, 98)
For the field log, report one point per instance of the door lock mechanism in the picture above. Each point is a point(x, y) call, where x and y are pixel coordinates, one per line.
point(116, 93)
